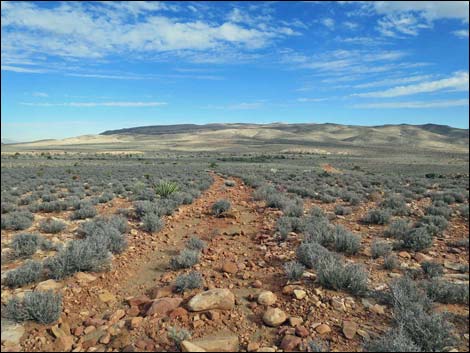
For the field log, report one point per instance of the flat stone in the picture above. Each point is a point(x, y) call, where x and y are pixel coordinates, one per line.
point(378, 309)
point(452, 265)
point(57, 332)
point(221, 299)
point(323, 329)
point(295, 321)
point(221, 342)
point(64, 343)
point(300, 294)
point(11, 333)
point(84, 277)
point(290, 343)
point(137, 301)
point(163, 306)
point(274, 317)
point(50, 284)
point(106, 297)
point(187, 346)
point(349, 329)
point(230, 267)
point(136, 322)
point(118, 315)
point(267, 298)
point(404, 255)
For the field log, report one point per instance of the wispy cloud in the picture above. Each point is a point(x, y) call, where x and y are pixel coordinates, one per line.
point(40, 94)
point(462, 33)
point(96, 104)
point(457, 82)
point(316, 100)
point(22, 69)
point(414, 104)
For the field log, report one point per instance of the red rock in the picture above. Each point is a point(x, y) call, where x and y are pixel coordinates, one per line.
point(118, 315)
point(163, 306)
point(137, 301)
point(229, 267)
point(78, 331)
point(180, 312)
point(290, 343)
point(64, 343)
point(161, 292)
point(301, 331)
point(133, 311)
point(136, 322)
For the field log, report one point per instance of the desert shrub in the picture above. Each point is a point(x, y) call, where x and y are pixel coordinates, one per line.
point(318, 230)
point(432, 269)
point(17, 220)
point(178, 335)
point(463, 210)
point(294, 270)
point(25, 244)
point(229, 183)
point(395, 340)
point(325, 198)
point(434, 224)
point(380, 248)
point(342, 210)
point(152, 222)
point(186, 259)
point(146, 207)
point(285, 225)
point(262, 192)
point(276, 200)
point(293, 208)
point(52, 226)
point(42, 307)
point(7, 207)
point(166, 188)
point(377, 216)
point(220, 207)
point(194, 243)
point(28, 273)
point(87, 210)
point(87, 254)
point(310, 253)
point(52, 206)
point(344, 241)
point(438, 210)
point(412, 313)
point(398, 229)
point(332, 274)
point(447, 292)
point(105, 197)
point(192, 280)
point(417, 239)
point(461, 243)
point(396, 204)
point(316, 346)
point(316, 213)
point(391, 262)
point(107, 231)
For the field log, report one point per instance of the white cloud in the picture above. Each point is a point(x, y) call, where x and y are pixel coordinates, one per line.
point(462, 33)
point(328, 22)
point(397, 24)
point(393, 81)
point(457, 82)
point(430, 10)
point(350, 25)
point(91, 30)
point(22, 69)
point(96, 104)
point(40, 94)
point(304, 100)
point(414, 105)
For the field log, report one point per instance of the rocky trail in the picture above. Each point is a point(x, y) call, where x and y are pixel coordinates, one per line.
point(245, 304)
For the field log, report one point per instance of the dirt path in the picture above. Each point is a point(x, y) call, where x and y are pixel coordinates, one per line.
point(145, 265)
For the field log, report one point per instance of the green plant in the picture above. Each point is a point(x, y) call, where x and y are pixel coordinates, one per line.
point(220, 207)
point(166, 188)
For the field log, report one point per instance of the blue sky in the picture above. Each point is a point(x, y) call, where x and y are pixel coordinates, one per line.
point(84, 67)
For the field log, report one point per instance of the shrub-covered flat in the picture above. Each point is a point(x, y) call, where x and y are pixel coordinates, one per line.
point(260, 252)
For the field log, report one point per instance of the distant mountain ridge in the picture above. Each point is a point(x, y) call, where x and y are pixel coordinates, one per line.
point(280, 137)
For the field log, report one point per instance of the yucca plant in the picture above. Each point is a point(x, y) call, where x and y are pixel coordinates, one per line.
point(166, 188)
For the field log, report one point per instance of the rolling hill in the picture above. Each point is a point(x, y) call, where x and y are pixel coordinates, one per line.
point(280, 137)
